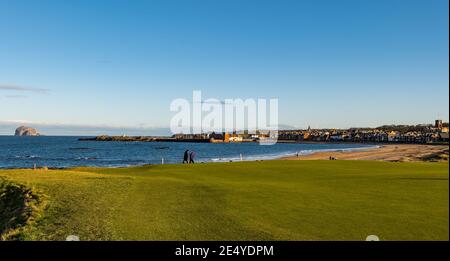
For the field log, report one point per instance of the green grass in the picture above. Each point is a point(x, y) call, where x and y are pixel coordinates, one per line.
point(19, 206)
point(270, 200)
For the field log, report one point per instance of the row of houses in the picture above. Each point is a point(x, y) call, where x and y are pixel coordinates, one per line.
point(217, 137)
point(392, 133)
point(423, 133)
point(364, 136)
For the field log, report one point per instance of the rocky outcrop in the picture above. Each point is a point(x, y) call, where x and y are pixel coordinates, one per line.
point(141, 138)
point(26, 131)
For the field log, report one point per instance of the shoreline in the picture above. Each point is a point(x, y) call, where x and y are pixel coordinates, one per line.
point(381, 152)
point(385, 152)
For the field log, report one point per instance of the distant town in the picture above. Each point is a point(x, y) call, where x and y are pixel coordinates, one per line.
point(436, 133)
point(423, 133)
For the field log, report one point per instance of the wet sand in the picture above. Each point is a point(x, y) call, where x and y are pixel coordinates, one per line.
point(397, 152)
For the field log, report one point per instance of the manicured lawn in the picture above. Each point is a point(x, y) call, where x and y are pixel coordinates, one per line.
point(270, 200)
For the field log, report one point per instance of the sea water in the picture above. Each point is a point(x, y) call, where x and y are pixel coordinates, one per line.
point(63, 151)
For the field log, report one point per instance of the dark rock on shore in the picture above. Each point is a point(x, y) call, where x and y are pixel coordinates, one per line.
point(118, 138)
point(140, 139)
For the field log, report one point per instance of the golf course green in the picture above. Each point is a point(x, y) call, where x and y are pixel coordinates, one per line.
point(264, 200)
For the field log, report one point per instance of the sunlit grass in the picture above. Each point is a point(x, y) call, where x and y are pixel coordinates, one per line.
point(270, 200)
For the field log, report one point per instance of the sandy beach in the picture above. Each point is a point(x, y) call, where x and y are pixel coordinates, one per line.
point(397, 152)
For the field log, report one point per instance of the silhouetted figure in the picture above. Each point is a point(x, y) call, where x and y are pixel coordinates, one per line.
point(186, 157)
point(191, 157)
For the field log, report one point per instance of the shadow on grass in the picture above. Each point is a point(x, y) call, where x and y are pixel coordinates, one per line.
point(19, 206)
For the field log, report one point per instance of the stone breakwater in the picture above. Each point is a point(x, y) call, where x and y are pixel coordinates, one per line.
point(141, 139)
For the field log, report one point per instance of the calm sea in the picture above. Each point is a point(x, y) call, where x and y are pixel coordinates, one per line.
point(62, 152)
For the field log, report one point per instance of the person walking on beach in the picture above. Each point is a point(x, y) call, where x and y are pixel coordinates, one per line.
point(186, 157)
point(191, 157)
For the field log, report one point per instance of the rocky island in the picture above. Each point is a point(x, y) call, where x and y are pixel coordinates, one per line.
point(26, 131)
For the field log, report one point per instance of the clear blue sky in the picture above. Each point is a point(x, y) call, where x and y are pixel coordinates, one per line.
point(120, 63)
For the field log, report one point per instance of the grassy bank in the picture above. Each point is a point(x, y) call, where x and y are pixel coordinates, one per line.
point(270, 200)
point(20, 206)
